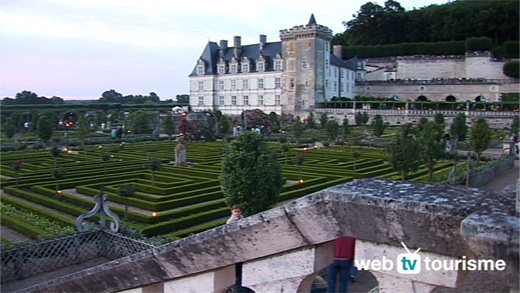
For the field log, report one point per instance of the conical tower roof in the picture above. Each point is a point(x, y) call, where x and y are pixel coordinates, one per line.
point(312, 20)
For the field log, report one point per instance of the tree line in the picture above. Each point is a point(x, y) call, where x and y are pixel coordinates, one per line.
point(493, 24)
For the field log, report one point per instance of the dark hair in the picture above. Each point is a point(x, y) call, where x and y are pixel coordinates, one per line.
point(236, 206)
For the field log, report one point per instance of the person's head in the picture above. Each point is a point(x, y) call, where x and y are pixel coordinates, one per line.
point(236, 210)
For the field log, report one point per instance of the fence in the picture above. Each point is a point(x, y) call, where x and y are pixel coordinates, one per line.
point(34, 259)
point(485, 176)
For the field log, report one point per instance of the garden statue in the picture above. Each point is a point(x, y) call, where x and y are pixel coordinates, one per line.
point(180, 152)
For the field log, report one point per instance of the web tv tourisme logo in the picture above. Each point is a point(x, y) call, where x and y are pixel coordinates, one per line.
point(412, 263)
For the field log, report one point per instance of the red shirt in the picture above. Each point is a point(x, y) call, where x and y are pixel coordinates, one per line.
point(344, 247)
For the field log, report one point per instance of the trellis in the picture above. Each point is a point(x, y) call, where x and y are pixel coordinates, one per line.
point(23, 262)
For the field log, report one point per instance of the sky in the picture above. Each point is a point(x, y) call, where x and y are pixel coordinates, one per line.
point(77, 49)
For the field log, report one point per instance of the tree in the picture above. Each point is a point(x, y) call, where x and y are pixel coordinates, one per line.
point(311, 122)
point(356, 154)
point(169, 126)
point(275, 122)
point(361, 118)
point(480, 136)
point(332, 128)
point(251, 174)
point(323, 119)
point(224, 125)
point(153, 164)
point(45, 129)
point(512, 68)
point(110, 96)
point(299, 160)
point(458, 131)
point(439, 119)
point(458, 128)
point(345, 127)
point(105, 157)
point(378, 125)
point(297, 128)
point(82, 131)
point(183, 99)
point(139, 122)
point(185, 127)
point(405, 152)
point(126, 191)
point(57, 173)
point(17, 167)
point(8, 128)
point(432, 148)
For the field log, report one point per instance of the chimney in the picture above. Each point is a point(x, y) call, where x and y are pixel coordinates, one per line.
point(263, 39)
point(338, 51)
point(223, 48)
point(237, 47)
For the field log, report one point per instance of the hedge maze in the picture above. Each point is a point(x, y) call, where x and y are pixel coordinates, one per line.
point(186, 199)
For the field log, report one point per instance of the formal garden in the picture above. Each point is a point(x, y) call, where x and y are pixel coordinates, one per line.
point(47, 186)
point(179, 201)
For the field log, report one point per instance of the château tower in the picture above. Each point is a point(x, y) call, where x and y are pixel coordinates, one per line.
point(306, 51)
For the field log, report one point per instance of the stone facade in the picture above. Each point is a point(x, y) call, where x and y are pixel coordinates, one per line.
point(300, 72)
point(289, 76)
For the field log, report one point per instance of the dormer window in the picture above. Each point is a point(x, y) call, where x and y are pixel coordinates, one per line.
point(278, 65)
point(260, 64)
point(200, 67)
point(221, 68)
point(278, 62)
point(233, 67)
point(245, 65)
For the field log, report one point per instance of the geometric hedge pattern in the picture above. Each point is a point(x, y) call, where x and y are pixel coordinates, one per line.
point(186, 199)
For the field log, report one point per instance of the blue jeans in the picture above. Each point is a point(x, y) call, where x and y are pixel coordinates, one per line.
point(343, 268)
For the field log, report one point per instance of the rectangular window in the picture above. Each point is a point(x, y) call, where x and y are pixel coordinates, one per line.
point(335, 72)
point(234, 100)
point(245, 84)
point(221, 69)
point(201, 101)
point(233, 68)
point(278, 65)
point(221, 100)
point(246, 100)
point(245, 67)
point(261, 66)
point(260, 83)
point(221, 85)
point(335, 85)
point(201, 85)
point(200, 70)
point(278, 82)
point(277, 100)
point(233, 84)
point(260, 100)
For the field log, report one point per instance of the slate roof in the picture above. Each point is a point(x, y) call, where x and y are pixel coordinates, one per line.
point(211, 56)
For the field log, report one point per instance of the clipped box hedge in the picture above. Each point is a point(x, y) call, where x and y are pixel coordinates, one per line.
point(22, 227)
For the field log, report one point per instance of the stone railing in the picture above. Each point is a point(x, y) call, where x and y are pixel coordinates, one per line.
point(284, 248)
point(446, 113)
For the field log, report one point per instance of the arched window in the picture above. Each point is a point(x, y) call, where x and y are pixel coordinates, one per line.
point(451, 98)
point(422, 99)
point(481, 98)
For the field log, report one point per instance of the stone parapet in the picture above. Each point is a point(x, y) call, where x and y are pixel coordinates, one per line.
point(444, 221)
